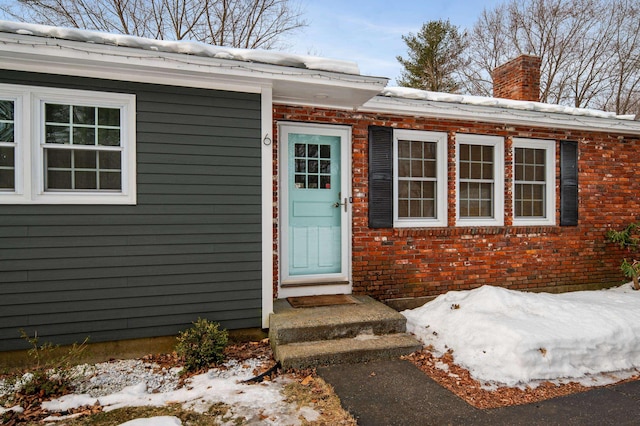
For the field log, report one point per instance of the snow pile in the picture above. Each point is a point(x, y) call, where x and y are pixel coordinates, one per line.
point(513, 338)
point(424, 95)
point(184, 47)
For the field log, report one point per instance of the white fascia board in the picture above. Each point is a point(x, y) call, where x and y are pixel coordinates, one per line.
point(65, 57)
point(505, 116)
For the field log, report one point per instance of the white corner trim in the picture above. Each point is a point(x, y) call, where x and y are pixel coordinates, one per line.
point(266, 144)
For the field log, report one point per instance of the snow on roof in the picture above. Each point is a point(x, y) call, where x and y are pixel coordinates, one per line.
point(184, 47)
point(424, 95)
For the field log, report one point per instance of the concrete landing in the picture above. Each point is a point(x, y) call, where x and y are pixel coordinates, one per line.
point(308, 337)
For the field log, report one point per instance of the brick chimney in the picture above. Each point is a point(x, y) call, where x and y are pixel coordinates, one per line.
point(518, 79)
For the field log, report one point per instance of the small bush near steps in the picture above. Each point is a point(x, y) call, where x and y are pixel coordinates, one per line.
point(202, 345)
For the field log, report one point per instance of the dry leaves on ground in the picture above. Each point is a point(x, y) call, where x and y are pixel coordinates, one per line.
point(459, 381)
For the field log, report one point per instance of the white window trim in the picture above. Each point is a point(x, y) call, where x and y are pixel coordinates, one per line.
point(550, 179)
point(29, 130)
point(440, 138)
point(498, 188)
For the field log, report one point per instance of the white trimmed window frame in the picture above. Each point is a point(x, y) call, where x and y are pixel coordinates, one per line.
point(550, 175)
point(440, 139)
point(498, 179)
point(29, 138)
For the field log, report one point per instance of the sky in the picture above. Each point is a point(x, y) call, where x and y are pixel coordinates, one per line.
point(370, 32)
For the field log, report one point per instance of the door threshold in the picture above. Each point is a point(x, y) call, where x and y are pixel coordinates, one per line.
point(312, 284)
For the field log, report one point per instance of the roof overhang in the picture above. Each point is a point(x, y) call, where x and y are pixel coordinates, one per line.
point(82, 59)
point(499, 115)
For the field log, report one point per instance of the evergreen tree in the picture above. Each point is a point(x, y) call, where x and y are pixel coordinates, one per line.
point(435, 57)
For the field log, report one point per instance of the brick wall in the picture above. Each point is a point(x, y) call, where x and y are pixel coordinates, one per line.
point(518, 79)
point(415, 262)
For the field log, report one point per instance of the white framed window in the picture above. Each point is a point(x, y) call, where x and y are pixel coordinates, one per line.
point(420, 178)
point(534, 165)
point(480, 183)
point(68, 146)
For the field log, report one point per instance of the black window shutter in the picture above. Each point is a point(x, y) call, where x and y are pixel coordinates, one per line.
point(568, 183)
point(380, 177)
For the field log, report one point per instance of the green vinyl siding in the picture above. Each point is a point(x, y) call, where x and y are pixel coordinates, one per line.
point(189, 248)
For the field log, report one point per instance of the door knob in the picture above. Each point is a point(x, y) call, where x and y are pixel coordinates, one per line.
point(337, 204)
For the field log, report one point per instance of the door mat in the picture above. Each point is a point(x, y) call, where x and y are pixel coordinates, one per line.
point(326, 300)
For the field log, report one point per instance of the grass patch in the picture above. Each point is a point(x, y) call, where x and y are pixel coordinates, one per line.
point(218, 414)
point(314, 392)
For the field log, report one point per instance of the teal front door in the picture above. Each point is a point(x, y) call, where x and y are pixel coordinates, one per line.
point(317, 206)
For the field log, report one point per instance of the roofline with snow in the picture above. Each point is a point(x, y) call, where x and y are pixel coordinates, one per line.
point(22, 52)
point(494, 114)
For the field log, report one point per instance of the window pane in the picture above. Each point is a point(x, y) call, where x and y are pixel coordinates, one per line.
point(300, 181)
point(6, 110)
point(325, 151)
point(110, 180)
point(7, 179)
point(403, 208)
point(313, 181)
point(86, 180)
point(300, 150)
point(487, 171)
point(325, 166)
point(475, 153)
point(464, 152)
point(476, 170)
point(109, 137)
point(540, 174)
point(486, 209)
point(55, 113)
point(416, 168)
point(403, 189)
point(429, 208)
point(58, 179)
point(301, 166)
point(84, 115)
point(109, 117)
point(312, 166)
point(58, 134)
point(312, 151)
point(84, 136)
point(6, 157)
point(58, 158)
point(6, 132)
point(84, 159)
point(430, 169)
point(404, 168)
point(465, 170)
point(404, 150)
point(109, 160)
point(325, 182)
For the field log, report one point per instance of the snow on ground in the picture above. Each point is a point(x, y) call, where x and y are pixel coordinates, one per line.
point(513, 338)
point(135, 383)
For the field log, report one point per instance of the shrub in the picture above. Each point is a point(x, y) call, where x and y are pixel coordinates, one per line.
point(51, 374)
point(628, 238)
point(202, 345)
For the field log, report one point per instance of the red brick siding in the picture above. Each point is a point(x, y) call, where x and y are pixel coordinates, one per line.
point(414, 262)
point(518, 79)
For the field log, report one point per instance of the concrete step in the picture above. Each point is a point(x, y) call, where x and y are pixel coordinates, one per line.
point(363, 348)
point(288, 325)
